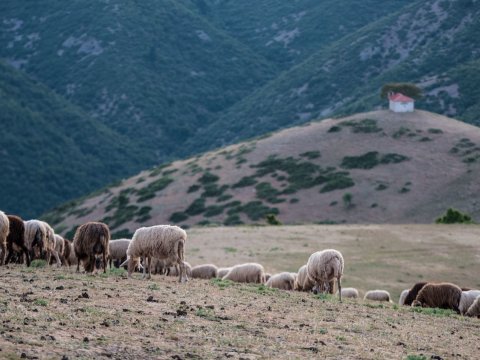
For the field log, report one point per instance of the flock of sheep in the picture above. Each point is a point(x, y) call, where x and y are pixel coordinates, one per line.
point(162, 249)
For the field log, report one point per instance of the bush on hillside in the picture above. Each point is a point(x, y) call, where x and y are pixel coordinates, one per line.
point(453, 216)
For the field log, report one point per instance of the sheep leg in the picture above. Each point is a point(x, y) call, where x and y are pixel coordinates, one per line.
point(145, 269)
point(149, 263)
point(104, 262)
point(78, 264)
point(57, 258)
point(4, 252)
point(339, 283)
point(27, 256)
point(182, 272)
point(10, 253)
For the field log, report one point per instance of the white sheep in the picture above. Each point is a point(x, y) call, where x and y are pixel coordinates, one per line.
point(246, 273)
point(283, 281)
point(4, 230)
point(378, 295)
point(117, 250)
point(403, 296)
point(50, 247)
point(302, 282)
point(474, 309)
point(223, 271)
point(350, 292)
point(160, 241)
point(60, 247)
point(205, 271)
point(323, 267)
point(174, 271)
point(467, 299)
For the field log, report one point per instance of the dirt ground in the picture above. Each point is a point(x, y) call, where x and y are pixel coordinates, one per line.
point(56, 313)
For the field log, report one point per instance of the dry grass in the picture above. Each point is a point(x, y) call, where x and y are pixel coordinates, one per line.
point(49, 312)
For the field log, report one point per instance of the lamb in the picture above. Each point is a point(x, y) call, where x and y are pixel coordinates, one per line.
point(474, 309)
point(206, 271)
point(467, 299)
point(413, 292)
point(60, 247)
point(222, 272)
point(246, 273)
point(403, 296)
point(4, 230)
point(323, 267)
point(302, 282)
point(282, 281)
point(160, 241)
point(351, 293)
point(378, 295)
point(443, 295)
point(16, 239)
point(72, 258)
point(174, 271)
point(91, 239)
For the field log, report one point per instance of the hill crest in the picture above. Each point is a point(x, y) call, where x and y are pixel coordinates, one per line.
point(396, 168)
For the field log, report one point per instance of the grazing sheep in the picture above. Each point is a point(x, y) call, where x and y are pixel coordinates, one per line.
point(474, 309)
point(35, 238)
point(378, 295)
point(91, 239)
point(246, 273)
point(403, 296)
point(413, 292)
point(4, 230)
point(222, 272)
point(174, 271)
point(323, 267)
point(68, 253)
point(282, 281)
point(59, 247)
point(50, 244)
point(351, 293)
point(16, 239)
point(117, 250)
point(164, 242)
point(443, 295)
point(205, 271)
point(302, 282)
point(467, 299)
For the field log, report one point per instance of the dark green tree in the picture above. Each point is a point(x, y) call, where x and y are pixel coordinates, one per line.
point(407, 89)
point(453, 216)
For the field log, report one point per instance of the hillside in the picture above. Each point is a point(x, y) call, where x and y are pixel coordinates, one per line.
point(430, 43)
point(180, 77)
point(50, 150)
point(397, 168)
point(52, 313)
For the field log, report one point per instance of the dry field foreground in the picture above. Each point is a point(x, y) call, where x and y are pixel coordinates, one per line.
point(51, 313)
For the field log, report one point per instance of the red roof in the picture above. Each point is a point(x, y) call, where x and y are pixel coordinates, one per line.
point(398, 97)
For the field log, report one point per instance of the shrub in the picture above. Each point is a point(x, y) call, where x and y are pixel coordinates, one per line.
point(255, 210)
point(311, 154)
point(179, 216)
point(245, 181)
point(232, 220)
point(453, 216)
point(149, 191)
point(347, 200)
point(272, 219)
point(224, 197)
point(365, 161)
point(213, 210)
point(212, 190)
point(363, 126)
point(197, 207)
point(193, 188)
point(208, 178)
point(334, 129)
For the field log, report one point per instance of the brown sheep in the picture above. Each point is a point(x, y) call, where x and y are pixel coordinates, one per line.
point(443, 295)
point(91, 239)
point(16, 239)
point(413, 292)
point(67, 252)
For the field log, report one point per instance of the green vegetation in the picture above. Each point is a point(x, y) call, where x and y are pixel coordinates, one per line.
point(453, 216)
point(244, 182)
point(311, 154)
point(416, 357)
point(370, 160)
point(149, 191)
point(38, 263)
point(222, 284)
point(407, 89)
point(272, 220)
point(347, 200)
point(41, 302)
point(365, 126)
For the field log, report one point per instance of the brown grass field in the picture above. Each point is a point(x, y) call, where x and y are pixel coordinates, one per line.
point(54, 313)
